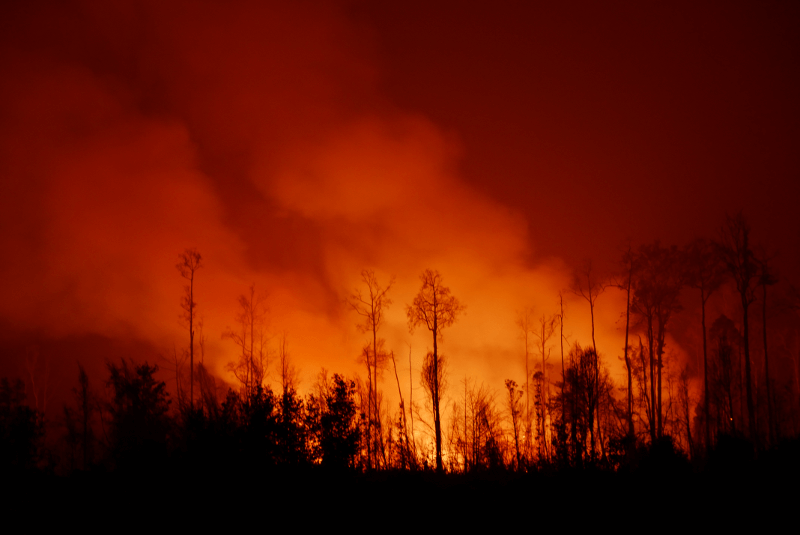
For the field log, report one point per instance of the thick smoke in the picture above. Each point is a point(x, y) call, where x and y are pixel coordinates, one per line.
point(254, 132)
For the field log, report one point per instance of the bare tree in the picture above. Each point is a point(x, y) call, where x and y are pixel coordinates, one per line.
point(289, 373)
point(767, 278)
point(705, 273)
point(411, 403)
point(189, 262)
point(525, 323)
point(741, 264)
point(405, 445)
point(587, 284)
point(435, 308)
point(433, 380)
point(625, 283)
point(87, 405)
point(684, 402)
point(479, 436)
point(514, 410)
point(178, 363)
point(370, 305)
point(38, 369)
point(251, 337)
point(561, 428)
point(657, 286)
point(724, 375)
point(545, 328)
point(561, 317)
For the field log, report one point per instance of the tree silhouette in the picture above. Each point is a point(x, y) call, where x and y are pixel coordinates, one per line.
point(139, 410)
point(291, 432)
point(85, 400)
point(479, 436)
point(767, 278)
point(704, 271)
point(545, 329)
point(288, 371)
point(433, 379)
point(435, 308)
point(740, 261)
point(576, 402)
point(514, 412)
point(189, 262)
point(525, 322)
point(625, 282)
point(21, 429)
point(724, 375)
point(370, 305)
point(657, 285)
point(253, 362)
point(257, 428)
point(587, 284)
point(333, 425)
point(406, 449)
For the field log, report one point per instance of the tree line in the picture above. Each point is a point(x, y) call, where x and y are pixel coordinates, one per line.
point(566, 412)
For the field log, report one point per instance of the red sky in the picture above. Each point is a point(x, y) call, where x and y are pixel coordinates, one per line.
point(611, 119)
point(296, 143)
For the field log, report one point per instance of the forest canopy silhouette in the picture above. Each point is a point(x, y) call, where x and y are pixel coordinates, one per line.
point(362, 239)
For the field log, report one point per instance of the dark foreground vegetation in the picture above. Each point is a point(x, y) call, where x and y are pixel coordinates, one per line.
point(271, 451)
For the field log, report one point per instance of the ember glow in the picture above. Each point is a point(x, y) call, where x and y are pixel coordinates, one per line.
point(295, 144)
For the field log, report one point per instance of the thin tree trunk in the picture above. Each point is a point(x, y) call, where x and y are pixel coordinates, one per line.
point(772, 434)
point(703, 300)
point(660, 353)
point(436, 420)
point(563, 373)
point(751, 411)
point(411, 404)
point(402, 406)
point(631, 433)
point(650, 348)
point(191, 341)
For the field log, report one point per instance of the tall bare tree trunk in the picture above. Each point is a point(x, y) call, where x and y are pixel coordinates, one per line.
point(563, 372)
point(771, 422)
point(706, 404)
point(411, 404)
point(437, 423)
point(631, 432)
point(751, 410)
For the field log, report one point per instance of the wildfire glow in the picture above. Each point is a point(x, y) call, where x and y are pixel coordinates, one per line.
point(262, 134)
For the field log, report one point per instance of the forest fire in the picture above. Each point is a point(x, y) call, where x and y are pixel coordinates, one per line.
point(290, 157)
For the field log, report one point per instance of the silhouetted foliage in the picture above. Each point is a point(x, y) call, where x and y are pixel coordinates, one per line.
point(582, 428)
point(291, 433)
point(574, 406)
point(514, 412)
point(139, 419)
point(79, 423)
point(21, 429)
point(332, 425)
point(732, 454)
point(663, 458)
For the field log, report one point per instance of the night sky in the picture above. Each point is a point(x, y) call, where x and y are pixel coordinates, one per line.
point(296, 143)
